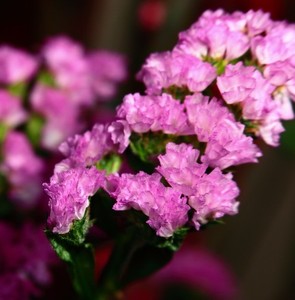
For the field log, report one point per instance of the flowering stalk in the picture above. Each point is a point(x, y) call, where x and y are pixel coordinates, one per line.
point(227, 82)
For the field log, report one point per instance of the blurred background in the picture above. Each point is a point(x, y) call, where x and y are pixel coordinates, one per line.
point(258, 245)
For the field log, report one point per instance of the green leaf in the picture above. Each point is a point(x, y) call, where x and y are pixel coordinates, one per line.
point(78, 255)
point(80, 261)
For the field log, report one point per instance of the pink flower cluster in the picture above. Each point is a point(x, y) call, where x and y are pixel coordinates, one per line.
point(42, 102)
point(74, 80)
point(75, 178)
point(227, 81)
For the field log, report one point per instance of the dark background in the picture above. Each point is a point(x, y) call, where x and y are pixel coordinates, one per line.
point(259, 243)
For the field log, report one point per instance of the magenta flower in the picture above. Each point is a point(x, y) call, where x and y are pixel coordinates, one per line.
point(87, 149)
point(166, 209)
point(155, 113)
point(69, 192)
point(16, 65)
point(163, 70)
point(120, 133)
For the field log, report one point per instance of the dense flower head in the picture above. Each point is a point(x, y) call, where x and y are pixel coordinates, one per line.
point(12, 113)
point(90, 147)
point(16, 65)
point(165, 207)
point(154, 113)
point(214, 35)
point(211, 195)
point(69, 192)
point(228, 80)
point(163, 70)
point(85, 77)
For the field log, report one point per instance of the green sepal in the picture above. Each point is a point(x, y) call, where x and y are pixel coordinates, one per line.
point(18, 89)
point(148, 145)
point(34, 128)
point(46, 78)
point(177, 92)
point(3, 132)
point(111, 163)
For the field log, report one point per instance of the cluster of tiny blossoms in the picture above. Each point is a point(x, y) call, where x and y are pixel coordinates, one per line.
point(228, 81)
point(42, 100)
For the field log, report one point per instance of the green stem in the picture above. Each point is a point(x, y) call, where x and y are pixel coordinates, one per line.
point(110, 284)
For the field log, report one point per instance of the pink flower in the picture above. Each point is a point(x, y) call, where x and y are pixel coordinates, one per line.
point(87, 149)
point(23, 169)
point(236, 84)
point(60, 114)
point(180, 168)
point(163, 70)
point(215, 196)
point(155, 113)
point(258, 22)
point(205, 115)
point(281, 74)
point(12, 113)
point(277, 45)
point(106, 70)
point(66, 60)
point(69, 192)
point(214, 31)
point(166, 209)
point(270, 130)
point(16, 65)
point(211, 195)
point(120, 133)
point(228, 146)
